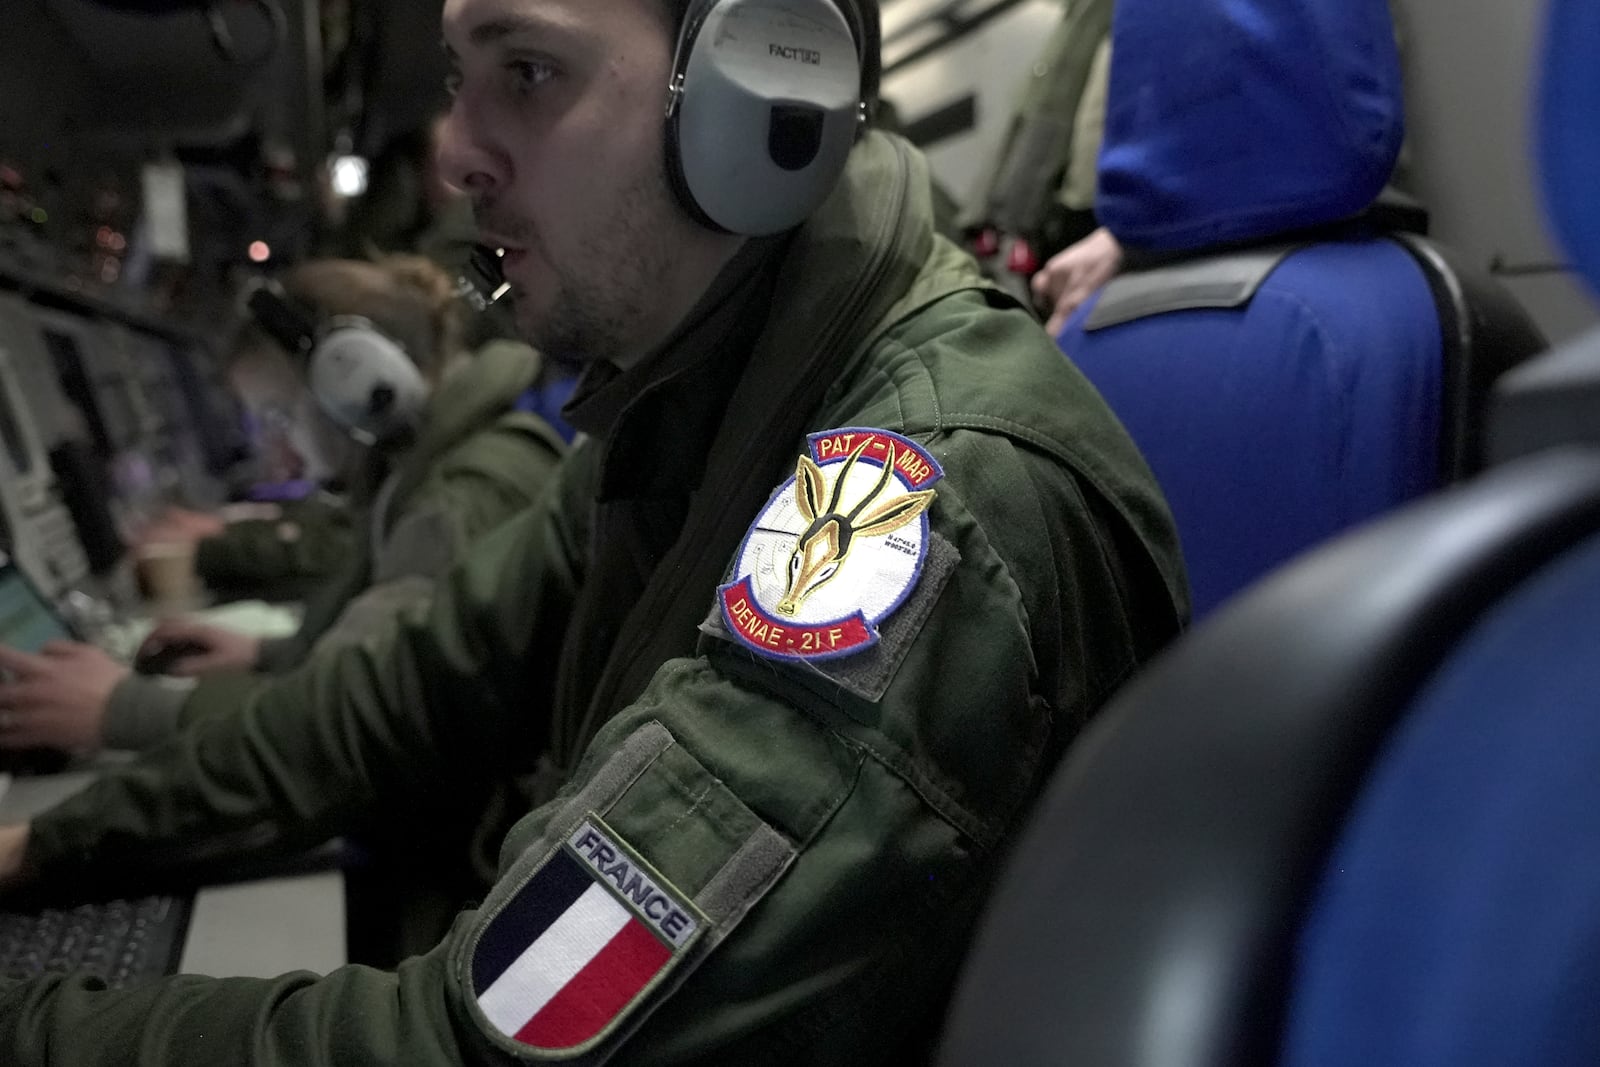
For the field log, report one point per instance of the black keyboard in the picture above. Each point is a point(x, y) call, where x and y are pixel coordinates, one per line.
point(32, 762)
point(121, 941)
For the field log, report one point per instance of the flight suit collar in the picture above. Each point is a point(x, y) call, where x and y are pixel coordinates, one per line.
point(679, 392)
point(856, 266)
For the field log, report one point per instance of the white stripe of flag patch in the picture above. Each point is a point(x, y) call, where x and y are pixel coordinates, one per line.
point(577, 944)
point(541, 972)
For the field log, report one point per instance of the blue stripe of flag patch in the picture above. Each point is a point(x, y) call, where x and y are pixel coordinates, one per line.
point(559, 883)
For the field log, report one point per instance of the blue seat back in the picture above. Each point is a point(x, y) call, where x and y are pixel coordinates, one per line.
point(1327, 393)
point(1150, 915)
point(1569, 139)
point(1276, 424)
point(1458, 917)
point(546, 399)
point(1458, 921)
point(1354, 818)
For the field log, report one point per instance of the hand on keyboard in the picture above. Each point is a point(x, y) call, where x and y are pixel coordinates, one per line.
point(188, 649)
point(56, 698)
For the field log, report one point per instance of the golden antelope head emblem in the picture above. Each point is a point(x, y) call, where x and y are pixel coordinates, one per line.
point(822, 548)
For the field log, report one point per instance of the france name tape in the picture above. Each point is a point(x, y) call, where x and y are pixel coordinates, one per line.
point(591, 932)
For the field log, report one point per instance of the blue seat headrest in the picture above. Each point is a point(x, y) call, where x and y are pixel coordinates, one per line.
point(1237, 120)
point(1569, 129)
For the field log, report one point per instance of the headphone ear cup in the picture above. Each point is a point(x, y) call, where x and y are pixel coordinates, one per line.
point(365, 381)
point(767, 97)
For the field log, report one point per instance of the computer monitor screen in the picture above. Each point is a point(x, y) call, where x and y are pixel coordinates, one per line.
point(27, 621)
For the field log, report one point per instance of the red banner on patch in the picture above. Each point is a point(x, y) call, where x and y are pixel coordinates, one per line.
point(783, 637)
point(919, 469)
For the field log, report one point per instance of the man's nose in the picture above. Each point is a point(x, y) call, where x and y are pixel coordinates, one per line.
point(464, 159)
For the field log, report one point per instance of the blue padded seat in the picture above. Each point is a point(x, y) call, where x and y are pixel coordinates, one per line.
point(1154, 912)
point(1459, 917)
point(1354, 818)
point(1345, 380)
point(1274, 425)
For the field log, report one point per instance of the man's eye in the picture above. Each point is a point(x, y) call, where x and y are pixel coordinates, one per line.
point(530, 73)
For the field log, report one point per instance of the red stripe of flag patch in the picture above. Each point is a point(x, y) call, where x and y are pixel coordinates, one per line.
point(579, 943)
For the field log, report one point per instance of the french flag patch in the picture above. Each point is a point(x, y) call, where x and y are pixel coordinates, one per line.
point(588, 936)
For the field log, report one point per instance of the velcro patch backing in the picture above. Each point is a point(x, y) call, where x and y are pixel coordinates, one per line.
point(867, 673)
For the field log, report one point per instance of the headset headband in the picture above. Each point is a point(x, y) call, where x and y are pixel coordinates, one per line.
point(283, 318)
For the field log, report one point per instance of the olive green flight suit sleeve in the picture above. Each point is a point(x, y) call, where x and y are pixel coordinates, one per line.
point(310, 541)
point(466, 493)
point(831, 832)
point(143, 711)
point(405, 713)
point(425, 543)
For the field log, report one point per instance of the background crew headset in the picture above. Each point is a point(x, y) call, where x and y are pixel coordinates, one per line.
point(360, 377)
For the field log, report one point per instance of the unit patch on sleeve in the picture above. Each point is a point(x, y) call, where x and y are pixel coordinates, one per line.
point(838, 548)
point(589, 935)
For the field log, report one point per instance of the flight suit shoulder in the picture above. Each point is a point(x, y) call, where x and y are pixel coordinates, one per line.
point(975, 362)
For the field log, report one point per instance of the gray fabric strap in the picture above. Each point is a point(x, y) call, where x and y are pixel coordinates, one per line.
point(867, 674)
point(1215, 282)
point(615, 775)
point(747, 874)
point(379, 521)
point(144, 711)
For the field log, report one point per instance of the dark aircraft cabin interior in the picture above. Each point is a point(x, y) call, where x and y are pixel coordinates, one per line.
point(956, 532)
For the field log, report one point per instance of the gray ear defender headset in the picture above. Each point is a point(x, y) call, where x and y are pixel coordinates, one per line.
point(360, 376)
point(764, 104)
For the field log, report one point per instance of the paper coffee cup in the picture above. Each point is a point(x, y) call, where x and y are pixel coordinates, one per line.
point(166, 574)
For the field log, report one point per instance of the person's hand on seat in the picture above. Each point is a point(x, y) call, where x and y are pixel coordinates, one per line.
point(189, 649)
point(56, 698)
point(181, 526)
point(1073, 275)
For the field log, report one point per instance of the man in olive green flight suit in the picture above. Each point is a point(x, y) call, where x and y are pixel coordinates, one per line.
point(782, 737)
point(475, 462)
